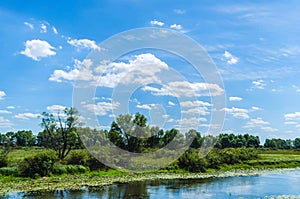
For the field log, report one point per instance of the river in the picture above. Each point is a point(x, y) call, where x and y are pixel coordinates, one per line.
point(284, 184)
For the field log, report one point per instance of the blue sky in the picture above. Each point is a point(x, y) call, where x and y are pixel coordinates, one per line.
point(255, 46)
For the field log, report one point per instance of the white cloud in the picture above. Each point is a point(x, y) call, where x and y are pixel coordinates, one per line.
point(179, 11)
point(102, 108)
point(157, 23)
point(186, 124)
point(176, 26)
point(194, 103)
point(29, 25)
point(54, 30)
point(37, 49)
point(10, 107)
point(27, 116)
point(268, 129)
point(5, 123)
point(184, 88)
point(5, 112)
point(141, 69)
point(230, 58)
point(146, 106)
point(260, 84)
point(237, 112)
point(292, 116)
point(2, 95)
point(81, 71)
point(43, 28)
point(235, 99)
point(170, 103)
point(290, 123)
point(84, 43)
point(259, 123)
point(195, 107)
point(56, 108)
point(255, 108)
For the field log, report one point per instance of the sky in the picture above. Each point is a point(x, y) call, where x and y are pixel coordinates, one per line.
point(255, 46)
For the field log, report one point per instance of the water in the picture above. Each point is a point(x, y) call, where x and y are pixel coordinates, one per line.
point(276, 185)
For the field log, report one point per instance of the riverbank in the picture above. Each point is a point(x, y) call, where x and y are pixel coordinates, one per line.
point(99, 180)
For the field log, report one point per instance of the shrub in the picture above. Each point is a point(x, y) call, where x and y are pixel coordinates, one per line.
point(192, 161)
point(69, 169)
point(3, 160)
point(78, 157)
point(95, 164)
point(39, 165)
point(9, 171)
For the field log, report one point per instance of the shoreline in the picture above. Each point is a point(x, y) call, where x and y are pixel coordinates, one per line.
point(86, 182)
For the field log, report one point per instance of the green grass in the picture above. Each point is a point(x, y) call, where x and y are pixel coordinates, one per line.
point(17, 155)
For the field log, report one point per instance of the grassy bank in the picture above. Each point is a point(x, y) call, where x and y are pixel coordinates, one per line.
point(266, 161)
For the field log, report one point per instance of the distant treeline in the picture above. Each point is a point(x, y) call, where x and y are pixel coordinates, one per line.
point(26, 138)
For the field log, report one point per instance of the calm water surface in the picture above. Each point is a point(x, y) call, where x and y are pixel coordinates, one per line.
point(262, 186)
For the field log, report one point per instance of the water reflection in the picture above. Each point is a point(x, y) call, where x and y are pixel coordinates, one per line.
point(275, 184)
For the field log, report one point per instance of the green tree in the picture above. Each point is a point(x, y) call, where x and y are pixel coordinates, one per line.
point(25, 138)
point(297, 143)
point(60, 132)
point(126, 130)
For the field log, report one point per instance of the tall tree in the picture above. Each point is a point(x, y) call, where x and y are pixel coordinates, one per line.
point(60, 132)
point(126, 131)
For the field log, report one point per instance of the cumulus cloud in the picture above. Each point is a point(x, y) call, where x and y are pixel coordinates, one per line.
point(146, 106)
point(5, 112)
point(184, 88)
point(186, 124)
point(10, 107)
point(230, 58)
point(235, 99)
point(176, 26)
point(259, 84)
point(102, 108)
point(141, 69)
point(84, 43)
point(259, 123)
point(157, 23)
point(81, 71)
point(37, 49)
point(2, 95)
point(29, 25)
point(27, 116)
point(237, 112)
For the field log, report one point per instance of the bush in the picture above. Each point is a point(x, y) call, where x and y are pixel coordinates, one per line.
point(192, 161)
point(95, 164)
point(3, 160)
point(69, 169)
point(39, 165)
point(9, 171)
point(78, 157)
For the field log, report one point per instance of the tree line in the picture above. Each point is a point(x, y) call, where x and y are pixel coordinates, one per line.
point(129, 132)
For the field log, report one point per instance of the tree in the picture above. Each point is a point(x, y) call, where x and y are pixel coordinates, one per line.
point(25, 138)
point(126, 130)
point(297, 143)
point(197, 141)
point(60, 132)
